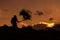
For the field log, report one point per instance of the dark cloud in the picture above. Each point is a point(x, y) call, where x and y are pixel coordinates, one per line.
point(39, 13)
point(50, 19)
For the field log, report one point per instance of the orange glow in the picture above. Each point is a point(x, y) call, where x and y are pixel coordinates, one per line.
point(24, 24)
point(50, 25)
point(34, 24)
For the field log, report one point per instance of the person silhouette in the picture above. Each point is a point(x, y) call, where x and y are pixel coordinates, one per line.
point(14, 21)
point(25, 14)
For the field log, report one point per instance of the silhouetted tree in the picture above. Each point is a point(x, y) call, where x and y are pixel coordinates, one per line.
point(14, 21)
point(25, 14)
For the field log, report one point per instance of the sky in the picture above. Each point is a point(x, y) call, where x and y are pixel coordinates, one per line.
point(50, 8)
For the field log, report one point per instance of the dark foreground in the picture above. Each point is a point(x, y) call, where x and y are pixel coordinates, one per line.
point(28, 33)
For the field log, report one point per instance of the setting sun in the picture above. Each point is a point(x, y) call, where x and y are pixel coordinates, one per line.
point(48, 24)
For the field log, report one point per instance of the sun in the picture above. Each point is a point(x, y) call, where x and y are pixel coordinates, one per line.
point(47, 24)
point(50, 25)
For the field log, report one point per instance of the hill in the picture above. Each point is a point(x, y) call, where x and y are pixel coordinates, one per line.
point(28, 33)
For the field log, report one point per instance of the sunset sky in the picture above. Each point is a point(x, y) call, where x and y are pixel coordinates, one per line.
point(50, 8)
